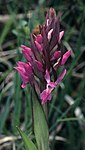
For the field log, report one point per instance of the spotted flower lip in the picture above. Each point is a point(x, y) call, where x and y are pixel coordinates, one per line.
point(44, 58)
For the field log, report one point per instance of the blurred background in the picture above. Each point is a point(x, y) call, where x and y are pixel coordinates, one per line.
point(67, 109)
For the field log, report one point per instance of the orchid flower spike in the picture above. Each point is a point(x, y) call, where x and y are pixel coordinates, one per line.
point(44, 58)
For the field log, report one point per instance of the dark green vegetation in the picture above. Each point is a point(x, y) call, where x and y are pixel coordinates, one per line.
point(67, 109)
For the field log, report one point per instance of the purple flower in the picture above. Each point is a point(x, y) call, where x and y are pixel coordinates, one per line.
point(46, 94)
point(44, 58)
point(26, 73)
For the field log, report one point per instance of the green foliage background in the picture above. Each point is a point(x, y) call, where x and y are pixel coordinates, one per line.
point(67, 109)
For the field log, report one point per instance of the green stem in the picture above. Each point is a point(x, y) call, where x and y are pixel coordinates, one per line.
point(45, 110)
point(40, 123)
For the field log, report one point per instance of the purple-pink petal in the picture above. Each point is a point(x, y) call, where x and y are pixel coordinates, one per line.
point(52, 85)
point(39, 65)
point(27, 49)
point(49, 34)
point(23, 85)
point(60, 77)
point(65, 57)
point(27, 56)
point(45, 95)
point(23, 75)
point(61, 35)
point(47, 76)
point(27, 67)
point(38, 46)
point(57, 54)
point(26, 72)
point(39, 38)
point(27, 53)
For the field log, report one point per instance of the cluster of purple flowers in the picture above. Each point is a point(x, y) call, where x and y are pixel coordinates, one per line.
point(44, 58)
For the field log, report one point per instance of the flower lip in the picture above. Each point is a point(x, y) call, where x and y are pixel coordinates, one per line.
point(45, 95)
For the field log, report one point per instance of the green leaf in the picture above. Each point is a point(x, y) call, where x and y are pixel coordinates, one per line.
point(6, 29)
point(29, 145)
point(17, 102)
point(40, 124)
point(4, 114)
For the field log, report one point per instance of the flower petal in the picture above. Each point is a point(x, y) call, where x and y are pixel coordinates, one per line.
point(61, 77)
point(49, 34)
point(39, 66)
point(27, 53)
point(39, 38)
point(57, 54)
point(26, 73)
point(27, 49)
point(52, 85)
point(38, 46)
point(45, 95)
point(65, 57)
point(61, 35)
point(23, 85)
point(47, 76)
point(35, 52)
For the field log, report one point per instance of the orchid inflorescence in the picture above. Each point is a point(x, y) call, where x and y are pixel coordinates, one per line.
point(44, 58)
